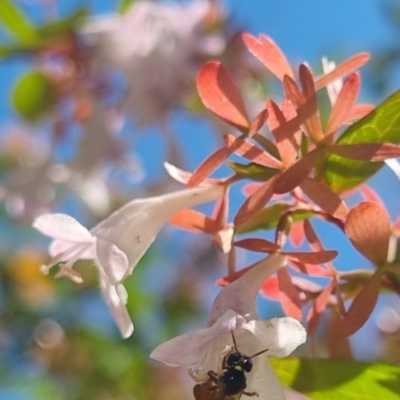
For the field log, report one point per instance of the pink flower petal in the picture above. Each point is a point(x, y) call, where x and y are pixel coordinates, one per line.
point(116, 297)
point(112, 260)
point(189, 348)
point(240, 295)
point(62, 226)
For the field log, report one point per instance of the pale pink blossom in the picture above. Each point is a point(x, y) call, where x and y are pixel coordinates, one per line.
point(117, 243)
point(234, 309)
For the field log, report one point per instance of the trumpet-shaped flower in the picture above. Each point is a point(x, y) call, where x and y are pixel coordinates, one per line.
point(234, 310)
point(117, 243)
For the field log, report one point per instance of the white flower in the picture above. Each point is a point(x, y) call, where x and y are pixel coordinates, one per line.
point(117, 243)
point(234, 310)
point(335, 87)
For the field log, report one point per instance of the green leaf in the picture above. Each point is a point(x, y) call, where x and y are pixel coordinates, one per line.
point(62, 26)
point(267, 145)
point(381, 125)
point(124, 5)
point(326, 379)
point(267, 218)
point(34, 95)
point(17, 23)
point(253, 171)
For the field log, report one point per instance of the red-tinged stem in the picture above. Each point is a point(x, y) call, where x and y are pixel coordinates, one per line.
point(232, 179)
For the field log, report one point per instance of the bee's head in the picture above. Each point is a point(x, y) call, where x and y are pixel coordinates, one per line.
point(239, 360)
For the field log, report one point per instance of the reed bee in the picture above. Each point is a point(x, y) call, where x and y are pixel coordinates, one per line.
point(231, 383)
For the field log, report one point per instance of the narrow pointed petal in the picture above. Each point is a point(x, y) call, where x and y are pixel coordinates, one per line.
point(311, 236)
point(374, 152)
point(359, 111)
point(285, 127)
point(269, 53)
point(240, 295)
point(248, 150)
point(309, 110)
point(318, 308)
point(298, 172)
point(221, 211)
point(368, 228)
point(345, 68)
point(361, 308)
point(289, 295)
point(209, 165)
point(261, 245)
point(220, 95)
point(346, 99)
point(62, 226)
point(317, 257)
point(325, 198)
point(258, 122)
point(192, 220)
point(255, 202)
point(183, 177)
point(309, 269)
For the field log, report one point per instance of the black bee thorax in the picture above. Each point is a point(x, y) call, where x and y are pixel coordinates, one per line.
point(234, 380)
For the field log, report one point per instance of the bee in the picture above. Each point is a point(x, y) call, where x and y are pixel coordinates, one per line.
point(231, 383)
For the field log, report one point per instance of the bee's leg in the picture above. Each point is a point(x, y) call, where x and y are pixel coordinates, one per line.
point(250, 394)
point(213, 376)
point(192, 374)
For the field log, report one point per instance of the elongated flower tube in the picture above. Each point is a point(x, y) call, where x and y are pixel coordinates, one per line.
point(117, 243)
point(234, 309)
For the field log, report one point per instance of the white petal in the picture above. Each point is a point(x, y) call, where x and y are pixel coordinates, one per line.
point(178, 174)
point(111, 293)
point(182, 176)
point(190, 348)
point(224, 238)
point(62, 226)
point(281, 336)
point(134, 227)
point(335, 87)
point(86, 250)
point(240, 296)
point(113, 261)
point(263, 381)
